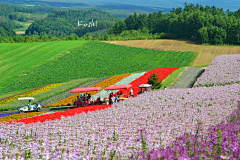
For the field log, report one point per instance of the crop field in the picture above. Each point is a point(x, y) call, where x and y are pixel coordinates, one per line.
point(16, 59)
point(205, 53)
point(93, 59)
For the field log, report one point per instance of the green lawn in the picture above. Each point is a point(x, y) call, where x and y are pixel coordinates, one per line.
point(94, 59)
point(17, 58)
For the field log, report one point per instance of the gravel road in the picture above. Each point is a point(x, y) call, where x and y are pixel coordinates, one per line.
point(188, 77)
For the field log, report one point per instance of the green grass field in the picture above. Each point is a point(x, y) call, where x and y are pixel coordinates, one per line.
point(16, 59)
point(91, 60)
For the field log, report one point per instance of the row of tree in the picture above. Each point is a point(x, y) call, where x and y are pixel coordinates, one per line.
point(203, 24)
point(126, 35)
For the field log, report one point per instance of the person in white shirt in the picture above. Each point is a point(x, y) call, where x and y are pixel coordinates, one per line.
point(113, 98)
point(164, 88)
point(131, 92)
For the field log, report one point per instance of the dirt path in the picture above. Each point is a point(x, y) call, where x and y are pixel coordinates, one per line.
point(188, 77)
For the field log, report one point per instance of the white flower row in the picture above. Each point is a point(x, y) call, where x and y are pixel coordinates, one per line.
point(126, 80)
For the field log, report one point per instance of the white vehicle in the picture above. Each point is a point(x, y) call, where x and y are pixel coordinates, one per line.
point(145, 88)
point(26, 108)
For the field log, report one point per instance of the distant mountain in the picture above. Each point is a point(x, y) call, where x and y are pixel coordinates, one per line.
point(233, 5)
point(90, 5)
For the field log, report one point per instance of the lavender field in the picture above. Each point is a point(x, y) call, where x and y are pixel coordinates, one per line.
point(223, 70)
point(117, 131)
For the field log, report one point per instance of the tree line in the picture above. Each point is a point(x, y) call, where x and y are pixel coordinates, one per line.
point(193, 22)
point(44, 37)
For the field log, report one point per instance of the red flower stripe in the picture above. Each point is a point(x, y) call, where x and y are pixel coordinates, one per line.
point(58, 115)
point(161, 72)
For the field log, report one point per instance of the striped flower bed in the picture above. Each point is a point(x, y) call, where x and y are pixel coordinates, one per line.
point(29, 93)
point(161, 72)
point(103, 84)
point(129, 79)
point(66, 94)
point(19, 116)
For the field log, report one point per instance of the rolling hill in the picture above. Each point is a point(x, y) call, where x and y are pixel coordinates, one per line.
point(19, 57)
point(31, 65)
point(205, 53)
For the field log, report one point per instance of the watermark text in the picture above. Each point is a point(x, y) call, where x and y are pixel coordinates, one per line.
point(89, 24)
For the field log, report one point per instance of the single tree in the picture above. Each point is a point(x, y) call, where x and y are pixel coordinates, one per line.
point(153, 80)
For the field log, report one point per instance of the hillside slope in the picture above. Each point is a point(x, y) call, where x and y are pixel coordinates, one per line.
point(19, 57)
point(205, 53)
point(93, 59)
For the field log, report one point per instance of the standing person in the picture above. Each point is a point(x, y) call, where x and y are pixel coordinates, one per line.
point(131, 92)
point(116, 98)
point(113, 98)
point(81, 94)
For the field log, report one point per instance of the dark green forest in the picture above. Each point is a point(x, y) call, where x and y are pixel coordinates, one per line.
point(193, 22)
point(64, 23)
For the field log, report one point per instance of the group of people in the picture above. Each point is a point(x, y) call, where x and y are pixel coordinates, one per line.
point(116, 98)
point(83, 98)
point(88, 97)
point(118, 95)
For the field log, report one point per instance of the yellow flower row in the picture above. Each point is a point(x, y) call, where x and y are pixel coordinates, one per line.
point(30, 93)
point(104, 84)
point(15, 117)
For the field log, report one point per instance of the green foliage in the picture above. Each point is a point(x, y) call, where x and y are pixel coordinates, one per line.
point(63, 23)
point(153, 80)
point(4, 34)
point(102, 28)
point(17, 58)
point(8, 24)
point(93, 59)
point(197, 23)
